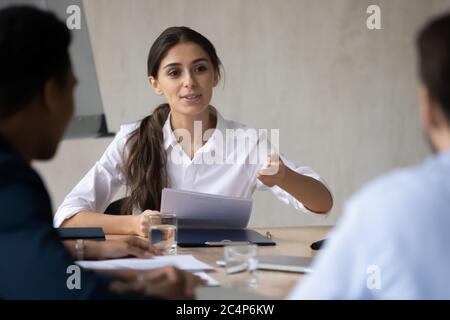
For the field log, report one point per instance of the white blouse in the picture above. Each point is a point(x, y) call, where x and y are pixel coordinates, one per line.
point(225, 165)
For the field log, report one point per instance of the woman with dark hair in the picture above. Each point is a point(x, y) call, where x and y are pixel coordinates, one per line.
point(185, 144)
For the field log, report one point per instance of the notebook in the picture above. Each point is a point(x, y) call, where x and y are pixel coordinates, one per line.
point(81, 233)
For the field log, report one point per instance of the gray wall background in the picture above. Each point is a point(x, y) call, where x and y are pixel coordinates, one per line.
point(344, 97)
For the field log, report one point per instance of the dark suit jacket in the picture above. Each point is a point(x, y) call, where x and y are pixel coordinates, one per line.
point(34, 263)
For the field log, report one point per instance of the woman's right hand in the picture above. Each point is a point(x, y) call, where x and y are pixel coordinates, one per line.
point(141, 223)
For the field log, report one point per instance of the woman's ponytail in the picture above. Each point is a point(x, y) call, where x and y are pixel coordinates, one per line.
point(145, 166)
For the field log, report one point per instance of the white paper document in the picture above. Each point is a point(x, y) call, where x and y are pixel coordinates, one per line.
point(183, 262)
point(208, 211)
point(210, 281)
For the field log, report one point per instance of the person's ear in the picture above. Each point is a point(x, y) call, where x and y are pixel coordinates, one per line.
point(154, 83)
point(216, 79)
point(51, 95)
point(430, 112)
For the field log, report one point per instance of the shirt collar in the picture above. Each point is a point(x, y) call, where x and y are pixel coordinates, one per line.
point(171, 140)
point(169, 137)
point(444, 155)
point(219, 133)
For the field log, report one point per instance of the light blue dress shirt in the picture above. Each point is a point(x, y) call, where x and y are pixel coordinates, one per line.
point(392, 242)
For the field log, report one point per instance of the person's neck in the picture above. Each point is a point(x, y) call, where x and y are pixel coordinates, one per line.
point(439, 138)
point(443, 143)
point(181, 121)
point(16, 133)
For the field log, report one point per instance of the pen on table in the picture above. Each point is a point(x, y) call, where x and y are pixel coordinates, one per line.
point(225, 243)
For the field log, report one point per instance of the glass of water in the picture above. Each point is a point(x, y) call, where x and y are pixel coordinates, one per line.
point(162, 232)
point(241, 265)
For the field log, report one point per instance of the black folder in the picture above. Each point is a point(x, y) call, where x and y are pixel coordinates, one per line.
point(220, 237)
point(81, 233)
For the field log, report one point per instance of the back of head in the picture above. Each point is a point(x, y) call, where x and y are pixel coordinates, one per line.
point(33, 48)
point(433, 44)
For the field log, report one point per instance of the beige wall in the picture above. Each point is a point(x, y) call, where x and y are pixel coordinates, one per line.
point(343, 97)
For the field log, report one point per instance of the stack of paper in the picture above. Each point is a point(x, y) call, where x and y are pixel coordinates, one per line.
point(183, 262)
point(206, 211)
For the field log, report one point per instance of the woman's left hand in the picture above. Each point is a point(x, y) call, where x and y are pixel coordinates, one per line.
point(273, 171)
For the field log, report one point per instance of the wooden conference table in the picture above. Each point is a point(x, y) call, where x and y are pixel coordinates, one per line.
point(293, 241)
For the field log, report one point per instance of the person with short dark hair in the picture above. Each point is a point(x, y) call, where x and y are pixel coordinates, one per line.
point(392, 240)
point(36, 104)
